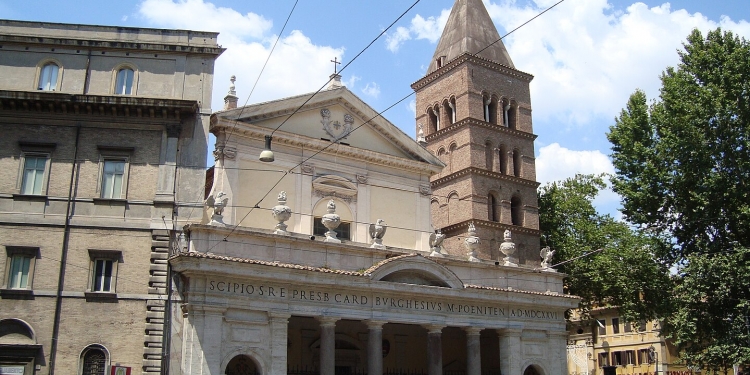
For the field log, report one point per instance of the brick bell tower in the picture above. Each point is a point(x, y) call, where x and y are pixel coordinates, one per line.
point(474, 113)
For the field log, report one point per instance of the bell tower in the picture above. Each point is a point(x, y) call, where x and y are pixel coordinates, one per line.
point(474, 113)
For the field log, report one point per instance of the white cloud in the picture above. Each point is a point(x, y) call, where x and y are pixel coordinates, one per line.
point(413, 107)
point(394, 40)
point(352, 81)
point(429, 28)
point(371, 89)
point(556, 163)
point(587, 59)
point(190, 13)
point(297, 65)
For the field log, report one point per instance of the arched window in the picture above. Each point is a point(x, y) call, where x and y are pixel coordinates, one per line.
point(450, 110)
point(94, 360)
point(124, 81)
point(516, 163)
point(48, 77)
point(512, 110)
point(493, 212)
point(503, 157)
point(516, 215)
point(433, 120)
point(488, 155)
point(493, 111)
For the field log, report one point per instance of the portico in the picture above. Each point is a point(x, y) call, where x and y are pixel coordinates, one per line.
point(326, 313)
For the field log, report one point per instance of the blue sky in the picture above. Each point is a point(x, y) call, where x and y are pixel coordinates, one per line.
point(587, 56)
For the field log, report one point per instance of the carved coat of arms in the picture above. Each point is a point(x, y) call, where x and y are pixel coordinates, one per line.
point(336, 129)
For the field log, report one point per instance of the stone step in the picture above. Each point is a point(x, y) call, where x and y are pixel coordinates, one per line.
point(158, 267)
point(161, 255)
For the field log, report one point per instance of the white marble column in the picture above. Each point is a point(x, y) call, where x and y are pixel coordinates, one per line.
point(375, 347)
point(473, 351)
point(434, 350)
point(279, 332)
point(510, 351)
point(327, 345)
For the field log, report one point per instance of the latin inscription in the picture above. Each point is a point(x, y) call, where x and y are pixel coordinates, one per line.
point(377, 302)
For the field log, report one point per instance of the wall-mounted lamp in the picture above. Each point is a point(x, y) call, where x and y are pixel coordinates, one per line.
point(267, 155)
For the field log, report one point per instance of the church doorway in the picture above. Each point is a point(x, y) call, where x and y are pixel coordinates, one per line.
point(241, 365)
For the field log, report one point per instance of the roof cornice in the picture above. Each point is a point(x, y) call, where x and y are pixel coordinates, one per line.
point(469, 58)
point(459, 125)
point(474, 171)
point(106, 105)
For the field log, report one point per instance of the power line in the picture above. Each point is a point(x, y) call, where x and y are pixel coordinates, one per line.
point(257, 205)
point(262, 69)
point(346, 66)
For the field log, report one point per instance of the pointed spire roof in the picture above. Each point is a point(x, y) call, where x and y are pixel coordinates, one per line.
point(470, 29)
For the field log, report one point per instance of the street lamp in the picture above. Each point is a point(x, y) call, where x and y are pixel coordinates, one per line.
point(654, 356)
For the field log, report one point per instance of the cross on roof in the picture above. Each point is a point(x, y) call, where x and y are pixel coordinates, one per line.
point(336, 63)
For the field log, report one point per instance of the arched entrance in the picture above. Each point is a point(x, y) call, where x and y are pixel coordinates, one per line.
point(242, 365)
point(532, 370)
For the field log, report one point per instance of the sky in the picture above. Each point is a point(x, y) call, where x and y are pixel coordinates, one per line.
point(587, 56)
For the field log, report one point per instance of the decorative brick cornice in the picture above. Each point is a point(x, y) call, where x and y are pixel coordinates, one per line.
point(458, 125)
point(466, 57)
point(460, 227)
point(474, 171)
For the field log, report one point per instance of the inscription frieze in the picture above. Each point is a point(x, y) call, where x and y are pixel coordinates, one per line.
point(375, 301)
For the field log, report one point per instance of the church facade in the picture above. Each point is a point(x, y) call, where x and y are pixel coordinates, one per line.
point(348, 247)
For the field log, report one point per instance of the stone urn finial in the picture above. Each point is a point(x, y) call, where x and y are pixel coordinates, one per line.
point(436, 244)
point(377, 231)
point(281, 213)
point(508, 248)
point(472, 243)
point(331, 221)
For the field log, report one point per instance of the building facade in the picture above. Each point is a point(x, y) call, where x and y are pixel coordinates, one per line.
point(474, 113)
point(103, 154)
point(321, 252)
point(623, 347)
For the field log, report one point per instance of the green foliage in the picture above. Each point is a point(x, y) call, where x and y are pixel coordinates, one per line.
point(711, 323)
point(682, 167)
point(624, 274)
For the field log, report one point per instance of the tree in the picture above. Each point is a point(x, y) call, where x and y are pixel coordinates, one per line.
point(624, 274)
point(682, 165)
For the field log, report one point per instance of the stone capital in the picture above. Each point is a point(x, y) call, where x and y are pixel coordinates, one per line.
point(375, 324)
point(509, 332)
point(472, 331)
point(327, 321)
point(434, 328)
point(279, 316)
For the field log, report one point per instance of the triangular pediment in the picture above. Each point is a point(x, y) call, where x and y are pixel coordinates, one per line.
point(332, 115)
